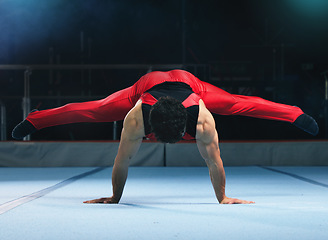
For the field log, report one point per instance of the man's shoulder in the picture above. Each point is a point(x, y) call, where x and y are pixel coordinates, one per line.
point(133, 122)
point(205, 130)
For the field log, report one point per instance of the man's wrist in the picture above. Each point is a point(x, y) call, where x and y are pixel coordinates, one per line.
point(115, 199)
point(221, 198)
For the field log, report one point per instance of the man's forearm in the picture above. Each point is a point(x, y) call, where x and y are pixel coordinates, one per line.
point(119, 176)
point(218, 179)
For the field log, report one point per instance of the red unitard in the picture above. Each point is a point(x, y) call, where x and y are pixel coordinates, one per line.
point(117, 105)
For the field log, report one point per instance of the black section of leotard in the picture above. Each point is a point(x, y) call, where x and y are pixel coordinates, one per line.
point(179, 91)
point(145, 113)
point(192, 119)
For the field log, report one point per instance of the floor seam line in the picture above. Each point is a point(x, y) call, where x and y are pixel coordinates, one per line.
point(7, 206)
point(304, 179)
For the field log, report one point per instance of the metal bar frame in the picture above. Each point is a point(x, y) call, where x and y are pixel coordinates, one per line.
point(3, 124)
point(92, 66)
point(326, 103)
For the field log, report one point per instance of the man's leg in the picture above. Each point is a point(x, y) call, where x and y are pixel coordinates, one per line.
point(221, 102)
point(112, 108)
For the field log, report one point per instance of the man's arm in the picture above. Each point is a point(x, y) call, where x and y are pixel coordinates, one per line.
point(211, 154)
point(131, 139)
point(208, 145)
point(127, 149)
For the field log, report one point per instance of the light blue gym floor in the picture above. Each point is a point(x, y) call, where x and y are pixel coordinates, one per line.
point(164, 203)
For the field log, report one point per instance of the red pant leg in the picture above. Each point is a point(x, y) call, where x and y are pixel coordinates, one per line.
point(112, 108)
point(221, 102)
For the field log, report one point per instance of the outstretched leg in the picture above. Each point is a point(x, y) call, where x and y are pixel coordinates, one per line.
point(221, 102)
point(112, 108)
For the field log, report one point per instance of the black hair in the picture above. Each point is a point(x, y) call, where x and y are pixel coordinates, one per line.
point(168, 118)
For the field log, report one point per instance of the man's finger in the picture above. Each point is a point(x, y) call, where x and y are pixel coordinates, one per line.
point(93, 201)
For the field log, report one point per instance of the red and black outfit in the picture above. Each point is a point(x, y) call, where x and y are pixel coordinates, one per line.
point(183, 85)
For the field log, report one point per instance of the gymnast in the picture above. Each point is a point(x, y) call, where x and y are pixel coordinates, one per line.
point(167, 107)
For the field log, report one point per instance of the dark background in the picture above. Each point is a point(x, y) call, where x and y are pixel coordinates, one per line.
point(273, 49)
